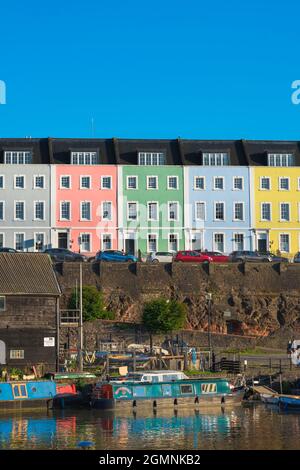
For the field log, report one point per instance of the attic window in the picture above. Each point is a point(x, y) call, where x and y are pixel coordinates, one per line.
point(18, 158)
point(152, 158)
point(215, 159)
point(281, 159)
point(84, 158)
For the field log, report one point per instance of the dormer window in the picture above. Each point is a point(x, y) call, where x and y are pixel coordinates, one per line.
point(215, 159)
point(281, 159)
point(84, 158)
point(18, 157)
point(151, 158)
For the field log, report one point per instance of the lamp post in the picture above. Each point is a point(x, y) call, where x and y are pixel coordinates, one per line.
point(208, 297)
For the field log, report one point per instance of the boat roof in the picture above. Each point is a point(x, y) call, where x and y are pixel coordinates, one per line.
point(153, 372)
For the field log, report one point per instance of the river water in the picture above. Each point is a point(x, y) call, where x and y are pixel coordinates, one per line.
point(240, 427)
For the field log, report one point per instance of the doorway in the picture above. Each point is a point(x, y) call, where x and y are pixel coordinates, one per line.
point(130, 246)
point(63, 240)
point(262, 245)
point(2, 352)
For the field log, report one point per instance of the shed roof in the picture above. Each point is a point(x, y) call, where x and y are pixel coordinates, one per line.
point(27, 274)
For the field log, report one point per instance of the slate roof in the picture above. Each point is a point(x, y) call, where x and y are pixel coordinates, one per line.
point(179, 151)
point(27, 274)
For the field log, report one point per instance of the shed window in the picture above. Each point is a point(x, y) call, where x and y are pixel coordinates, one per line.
point(2, 303)
point(16, 354)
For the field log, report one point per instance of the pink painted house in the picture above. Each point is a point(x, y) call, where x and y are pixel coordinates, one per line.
point(85, 207)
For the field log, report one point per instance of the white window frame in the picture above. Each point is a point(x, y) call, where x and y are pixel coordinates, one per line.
point(279, 241)
point(75, 161)
point(24, 210)
point(204, 183)
point(223, 156)
point(102, 210)
point(102, 242)
point(157, 211)
point(243, 204)
point(287, 156)
point(3, 202)
point(156, 179)
point(214, 242)
point(34, 210)
point(60, 182)
point(137, 211)
point(178, 217)
point(90, 182)
point(195, 209)
point(81, 204)
point(156, 237)
point(3, 179)
point(233, 180)
point(34, 241)
point(168, 183)
point(214, 183)
point(17, 354)
point(110, 178)
point(34, 182)
point(90, 242)
point(15, 236)
point(136, 182)
point(234, 246)
point(9, 154)
point(289, 205)
point(169, 243)
point(224, 210)
point(260, 183)
point(143, 156)
point(15, 182)
point(261, 211)
point(279, 183)
point(60, 210)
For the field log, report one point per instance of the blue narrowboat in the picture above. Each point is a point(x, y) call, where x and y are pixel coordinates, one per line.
point(31, 394)
point(289, 401)
point(161, 393)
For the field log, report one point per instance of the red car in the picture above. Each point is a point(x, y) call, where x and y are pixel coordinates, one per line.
point(190, 256)
point(216, 256)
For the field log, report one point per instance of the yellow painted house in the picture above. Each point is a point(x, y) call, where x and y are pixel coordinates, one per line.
point(275, 197)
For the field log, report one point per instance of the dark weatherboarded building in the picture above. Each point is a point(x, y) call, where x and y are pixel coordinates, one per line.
point(29, 306)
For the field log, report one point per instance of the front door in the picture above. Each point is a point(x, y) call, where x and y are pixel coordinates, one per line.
point(62, 240)
point(130, 246)
point(2, 352)
point(262, 242)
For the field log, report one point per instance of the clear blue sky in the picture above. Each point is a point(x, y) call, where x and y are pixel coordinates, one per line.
point(150, 69)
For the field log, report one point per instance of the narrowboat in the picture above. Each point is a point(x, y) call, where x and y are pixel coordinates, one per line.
point(31, 394)
point(269, 399)
point(289, 401)
point(160, 390)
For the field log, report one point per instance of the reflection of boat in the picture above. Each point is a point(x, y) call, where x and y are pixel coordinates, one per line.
point(166, 393)
point(289, 401)
point(269, 399)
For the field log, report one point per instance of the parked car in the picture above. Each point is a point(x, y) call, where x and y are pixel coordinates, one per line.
point(8, 250)
point(216, 256)
point(190, 256)
point(297, 257)
point(276, 258)
point(115, 255)
point(62, 254)
point(161, 257)
point(251, 256)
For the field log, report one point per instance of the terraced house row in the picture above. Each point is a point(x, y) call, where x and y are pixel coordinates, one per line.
point(149, 195)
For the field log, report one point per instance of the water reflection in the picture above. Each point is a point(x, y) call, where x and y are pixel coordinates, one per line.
point(255, 427)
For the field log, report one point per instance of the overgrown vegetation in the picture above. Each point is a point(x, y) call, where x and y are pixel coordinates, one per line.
point(163, 316)
point(93, 306)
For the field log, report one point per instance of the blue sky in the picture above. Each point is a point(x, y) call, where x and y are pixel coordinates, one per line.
point(150, 69)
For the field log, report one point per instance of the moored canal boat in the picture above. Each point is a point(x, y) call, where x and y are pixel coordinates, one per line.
point(165, 393)
point(289, 401)
point(31, 394)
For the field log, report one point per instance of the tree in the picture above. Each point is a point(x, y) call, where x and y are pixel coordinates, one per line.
point(162, 316)
point(92, 304)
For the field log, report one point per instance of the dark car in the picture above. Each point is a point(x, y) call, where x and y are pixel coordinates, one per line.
point(297, 257)
point(250, 256)
point(8, 250)
point(62, 254)
point(276, 258)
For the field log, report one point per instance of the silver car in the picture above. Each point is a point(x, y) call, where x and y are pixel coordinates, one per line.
point(161, 257)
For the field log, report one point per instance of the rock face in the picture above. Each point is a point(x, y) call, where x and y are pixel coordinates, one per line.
point(249, 299)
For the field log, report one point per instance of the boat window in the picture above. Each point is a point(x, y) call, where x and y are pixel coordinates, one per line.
point(19, 391)
point(186, 389)
point(146, 378)
point(155, 378)
point(209, 388)
point(139, 391)
point(171, 377)
point(167, 390)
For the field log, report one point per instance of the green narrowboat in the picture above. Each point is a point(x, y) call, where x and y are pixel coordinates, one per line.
point(158, 393)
